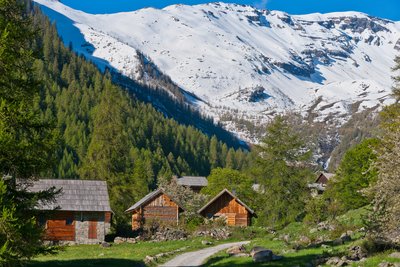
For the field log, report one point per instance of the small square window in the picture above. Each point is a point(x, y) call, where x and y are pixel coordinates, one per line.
point(69, 221)
point(42, 221)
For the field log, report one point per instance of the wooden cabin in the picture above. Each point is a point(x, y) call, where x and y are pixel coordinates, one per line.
point(196, 183)
point(228, 205)
point(319, 185)
point(81, 213)
point(324, 177)
point(155, 206)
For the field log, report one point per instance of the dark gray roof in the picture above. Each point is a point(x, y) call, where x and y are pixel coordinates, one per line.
point(148, 198)
point(232, 195)
point(76, 195)
point(192, 181)
point(145, 199)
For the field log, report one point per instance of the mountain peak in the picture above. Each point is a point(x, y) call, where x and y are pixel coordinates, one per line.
point(242, 62)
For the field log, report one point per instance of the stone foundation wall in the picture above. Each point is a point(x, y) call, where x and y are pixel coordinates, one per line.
point(82, 220)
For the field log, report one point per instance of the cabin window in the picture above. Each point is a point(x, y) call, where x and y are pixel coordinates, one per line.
point(42, 221)
point(69, 221)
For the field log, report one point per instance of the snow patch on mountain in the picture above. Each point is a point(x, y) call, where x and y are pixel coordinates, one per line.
point(243, 61)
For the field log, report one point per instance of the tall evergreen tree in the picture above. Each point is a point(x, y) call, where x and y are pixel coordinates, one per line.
point(26, 142)
point(356, 172)
point(283, 170)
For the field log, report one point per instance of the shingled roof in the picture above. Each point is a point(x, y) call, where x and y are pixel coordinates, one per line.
point(192, 181)
point(76, 195)
point(146, 199)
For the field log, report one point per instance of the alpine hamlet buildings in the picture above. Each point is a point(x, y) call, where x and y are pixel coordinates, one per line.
point(156, 205)
point(81, 213)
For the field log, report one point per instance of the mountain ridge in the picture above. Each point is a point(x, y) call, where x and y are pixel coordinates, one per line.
point(252, 63)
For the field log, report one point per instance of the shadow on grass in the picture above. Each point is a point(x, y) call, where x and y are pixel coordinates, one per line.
point(87, 263)
point(302, 260)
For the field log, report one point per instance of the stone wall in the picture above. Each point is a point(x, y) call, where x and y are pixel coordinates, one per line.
point(82, 220)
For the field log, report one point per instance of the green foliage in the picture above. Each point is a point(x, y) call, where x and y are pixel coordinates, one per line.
point(283, 170)
point(233, 180)
point(315, 210)
point(356, 172)
point(27, 141)
point(20, 236)
point(384, 223)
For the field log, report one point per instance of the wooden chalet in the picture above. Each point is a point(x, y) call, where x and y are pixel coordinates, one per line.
point(227, 205)
point(196, 183)
point(324, 177)
point(154, 206)
point(81, 213)
point(319, 185)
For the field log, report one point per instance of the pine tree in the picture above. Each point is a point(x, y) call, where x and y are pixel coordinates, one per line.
point(283, 170)
point(355, 173)
point(26, 142)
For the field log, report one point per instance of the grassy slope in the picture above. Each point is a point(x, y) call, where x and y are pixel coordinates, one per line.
point(133, 254)
point(302, 257)
point(120, 255)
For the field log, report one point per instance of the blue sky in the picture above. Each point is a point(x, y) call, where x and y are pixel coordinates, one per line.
point(389, 9)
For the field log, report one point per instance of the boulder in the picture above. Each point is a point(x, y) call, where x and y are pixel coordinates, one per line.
point(337, 242)
point(131, 240)
point(119, 240)
point(149, 259)
point(236, 250)
point(304, 240)
point(276, 257)
point(395, 255)
point(206, 242)
point(105, 245)
point(256, 249)
point(263, 256)
point(356, 253)
point(345, 237)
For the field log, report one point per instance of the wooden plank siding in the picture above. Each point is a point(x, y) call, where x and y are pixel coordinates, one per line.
point(160, 208)
point(227, 206)
point(57, 228)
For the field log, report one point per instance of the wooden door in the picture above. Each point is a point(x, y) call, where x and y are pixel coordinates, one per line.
point(92, 230)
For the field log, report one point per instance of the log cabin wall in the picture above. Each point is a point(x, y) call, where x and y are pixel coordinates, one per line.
point(226, 205)
point(60, 227)
point(160, 208)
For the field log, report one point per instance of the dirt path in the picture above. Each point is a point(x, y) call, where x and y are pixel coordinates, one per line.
point(196, 258)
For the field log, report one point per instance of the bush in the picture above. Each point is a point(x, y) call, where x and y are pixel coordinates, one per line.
point(373, 246)
point(316, 210)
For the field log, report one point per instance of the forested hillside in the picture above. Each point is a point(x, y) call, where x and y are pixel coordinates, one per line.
point(107, 133)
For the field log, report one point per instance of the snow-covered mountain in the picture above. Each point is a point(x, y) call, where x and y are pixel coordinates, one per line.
point(243, 61)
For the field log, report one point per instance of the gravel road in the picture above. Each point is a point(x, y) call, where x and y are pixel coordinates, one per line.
point(196, 258)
